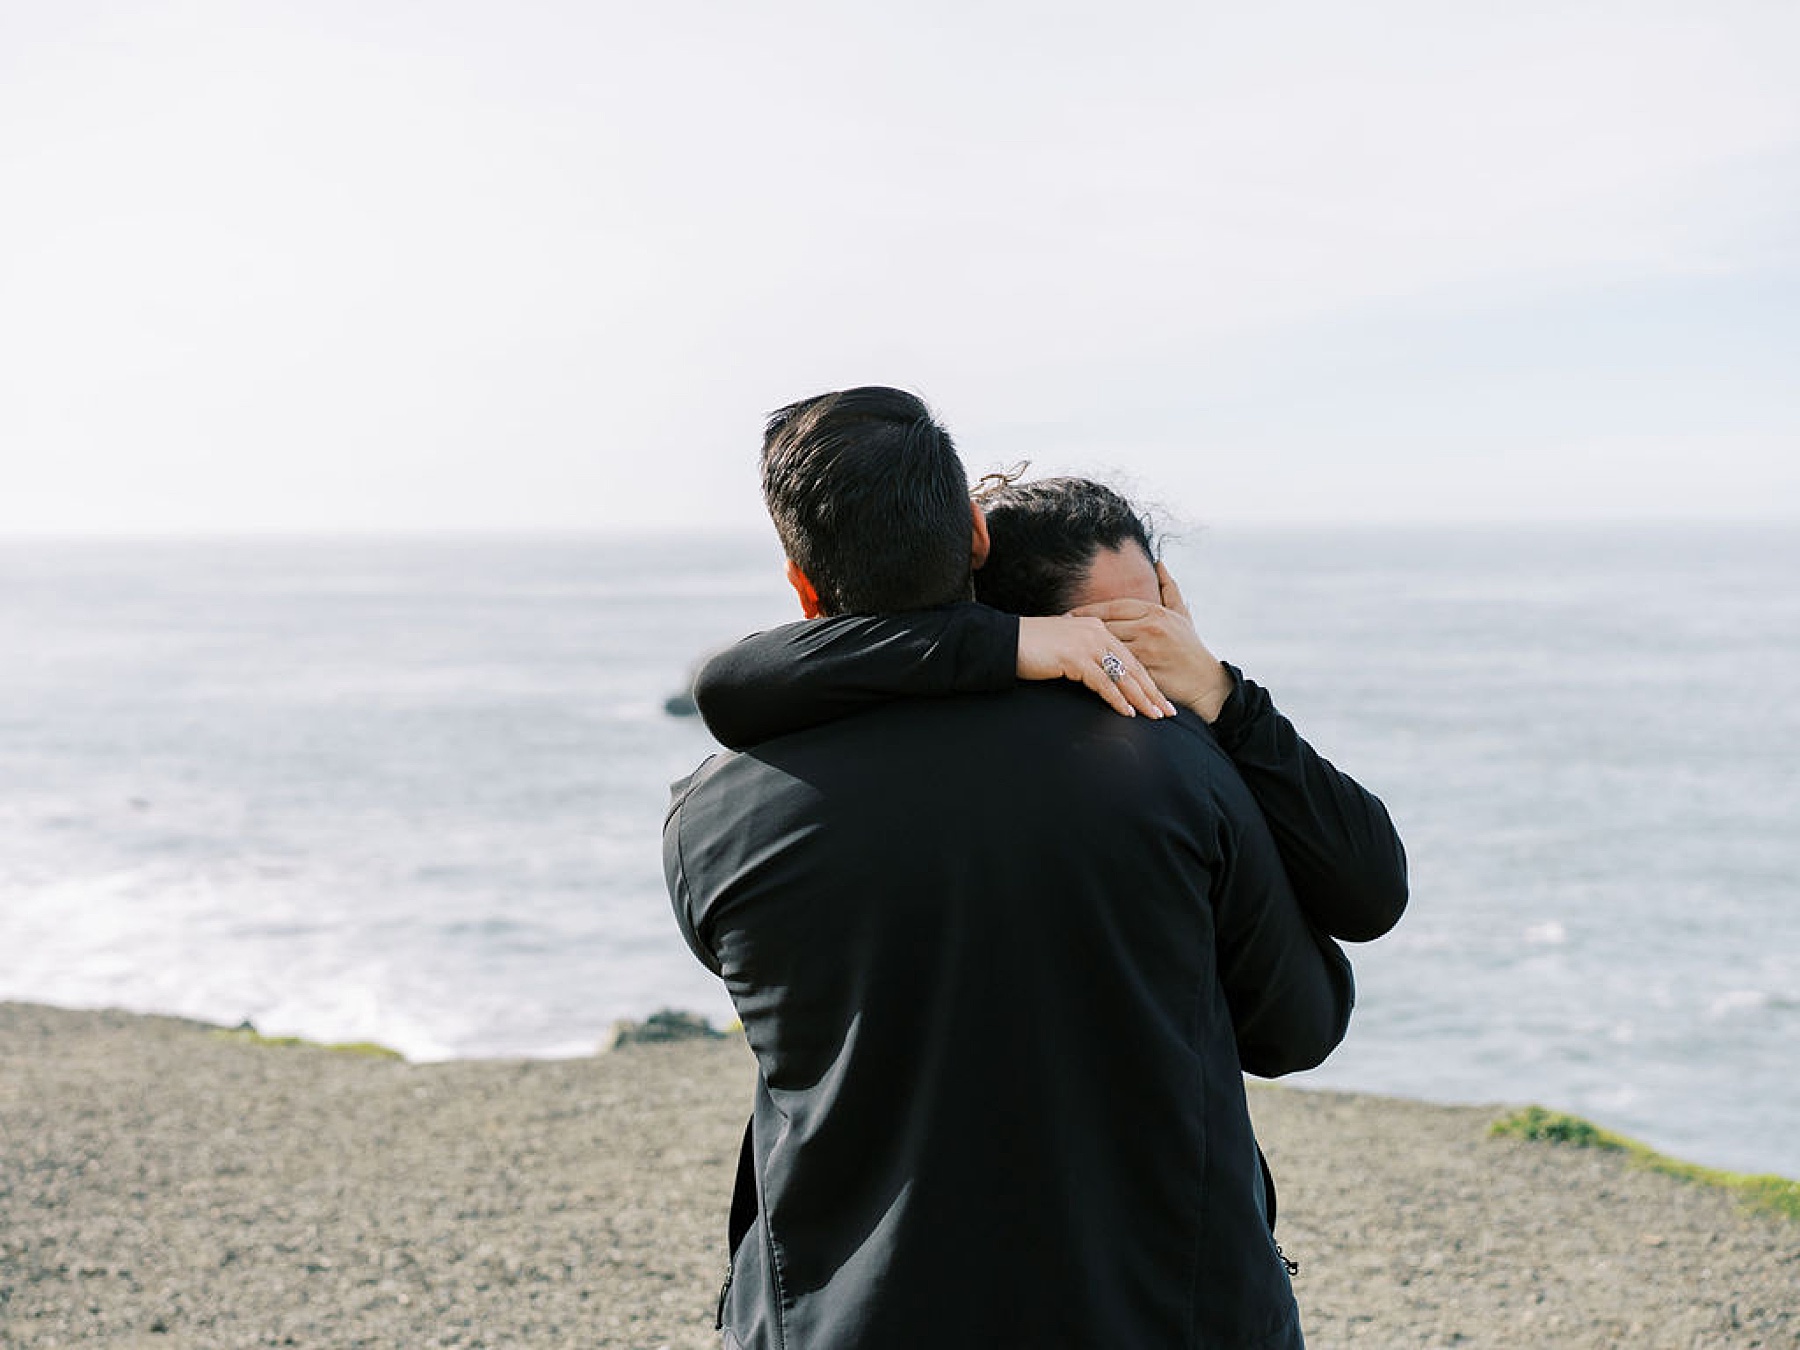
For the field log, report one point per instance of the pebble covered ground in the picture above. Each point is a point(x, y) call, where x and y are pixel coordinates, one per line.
point(163, 1185)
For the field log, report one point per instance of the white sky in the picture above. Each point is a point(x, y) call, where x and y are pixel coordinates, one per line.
point(546, 265)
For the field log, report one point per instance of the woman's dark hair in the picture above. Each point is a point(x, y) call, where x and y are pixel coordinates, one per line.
point(870, 500)
point(1043, 537)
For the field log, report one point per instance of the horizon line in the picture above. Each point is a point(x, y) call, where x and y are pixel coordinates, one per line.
point(761, 528)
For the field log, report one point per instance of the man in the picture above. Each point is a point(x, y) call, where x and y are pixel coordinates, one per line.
point(1002, 960)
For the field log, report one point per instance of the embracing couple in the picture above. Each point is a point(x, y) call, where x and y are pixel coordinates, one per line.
point(1003, 951)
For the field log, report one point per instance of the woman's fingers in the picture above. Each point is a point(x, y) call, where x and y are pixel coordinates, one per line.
point(1171, 593)
point(1150, 629)
point(1113, 611)
point(1113, 671)
point(1084, 651)
point(1120, 669)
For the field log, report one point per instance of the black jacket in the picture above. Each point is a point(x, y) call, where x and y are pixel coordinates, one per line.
point(1001, 960)
point(1337, 843)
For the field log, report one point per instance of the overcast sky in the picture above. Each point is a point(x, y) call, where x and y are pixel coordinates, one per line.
point(429, 265)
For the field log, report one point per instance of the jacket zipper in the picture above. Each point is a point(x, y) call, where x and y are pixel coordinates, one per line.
point(724, 1292)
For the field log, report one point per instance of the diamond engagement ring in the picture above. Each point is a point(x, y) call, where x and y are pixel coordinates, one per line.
point(1114, 668)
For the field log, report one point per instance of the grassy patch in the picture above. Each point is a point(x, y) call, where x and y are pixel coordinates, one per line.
point(251, 1036)
point(1769, 1194)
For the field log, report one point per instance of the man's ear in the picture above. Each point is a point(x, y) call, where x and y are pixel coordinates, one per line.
point(978, 541)
point(803, 587)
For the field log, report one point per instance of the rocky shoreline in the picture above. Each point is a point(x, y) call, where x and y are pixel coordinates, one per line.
point(165, 1185)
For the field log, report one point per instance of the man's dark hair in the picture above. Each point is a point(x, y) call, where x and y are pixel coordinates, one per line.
point(1043, 537)
point(870, 500)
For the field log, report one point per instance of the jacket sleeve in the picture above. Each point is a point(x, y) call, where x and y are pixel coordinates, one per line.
point(806, 674)
point(681, 898)
point(1289, 986)
point(1336, 840)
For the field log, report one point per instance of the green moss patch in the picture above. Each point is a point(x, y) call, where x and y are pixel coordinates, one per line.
point(1766, 1193)
point(247, 1035)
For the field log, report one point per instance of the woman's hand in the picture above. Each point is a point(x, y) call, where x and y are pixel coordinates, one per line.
point(1162, 637)
point(1069, 648)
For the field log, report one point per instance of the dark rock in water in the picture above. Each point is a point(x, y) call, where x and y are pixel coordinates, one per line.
point(681, 703)
point(667, 1025)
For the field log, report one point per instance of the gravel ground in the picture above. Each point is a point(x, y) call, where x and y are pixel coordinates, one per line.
point(164, 1186)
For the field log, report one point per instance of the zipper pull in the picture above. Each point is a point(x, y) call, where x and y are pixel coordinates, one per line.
point(724, 1289)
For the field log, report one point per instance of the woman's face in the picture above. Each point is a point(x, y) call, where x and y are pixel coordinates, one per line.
point(1123, 573)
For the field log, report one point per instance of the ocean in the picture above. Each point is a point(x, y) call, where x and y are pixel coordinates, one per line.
point(411, 790)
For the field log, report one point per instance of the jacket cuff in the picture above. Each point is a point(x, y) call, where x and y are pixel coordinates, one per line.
point(1244, 706)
